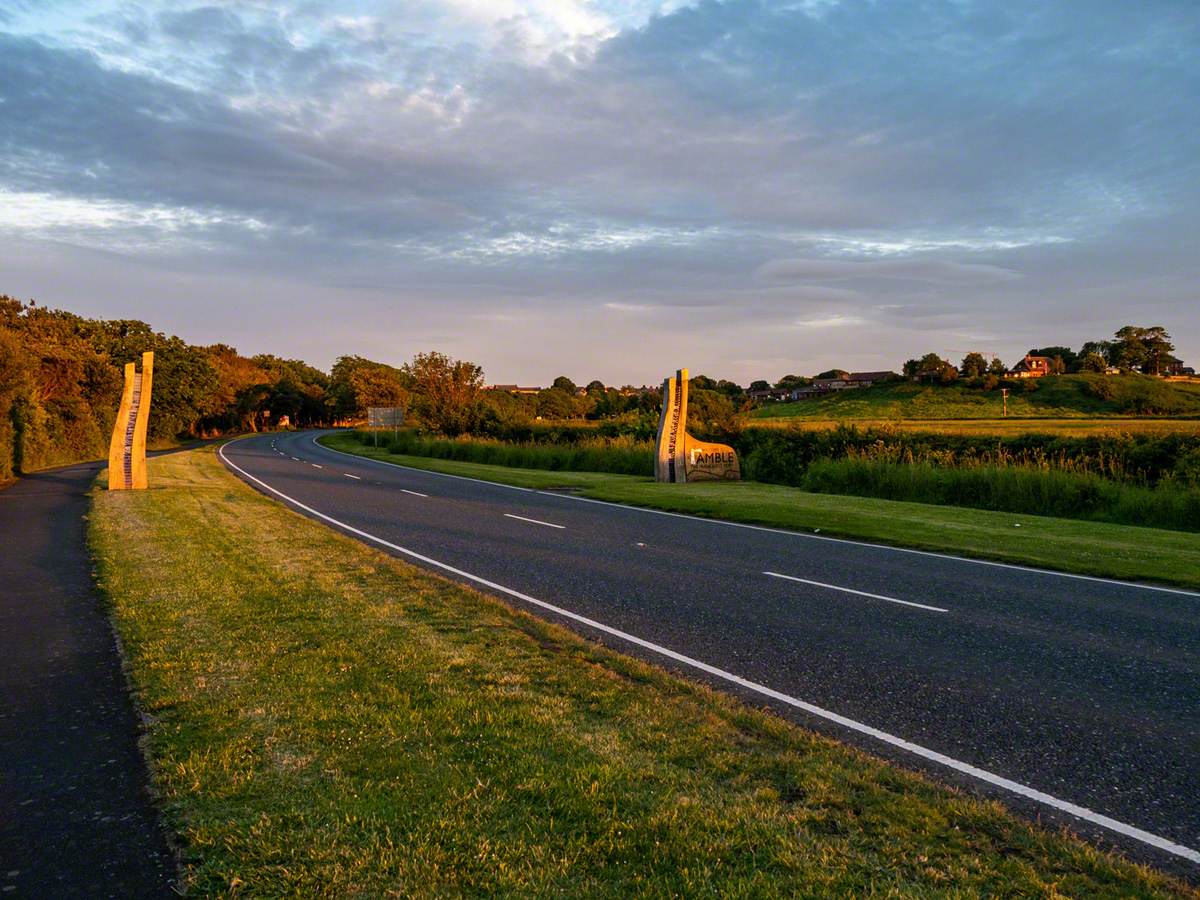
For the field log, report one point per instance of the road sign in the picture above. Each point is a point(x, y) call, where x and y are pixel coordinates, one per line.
point(385, 416)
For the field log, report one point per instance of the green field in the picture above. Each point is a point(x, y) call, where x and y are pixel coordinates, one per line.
point(1070, 545)
point(325, 720)
point(1001, 427)
point(1055, 398)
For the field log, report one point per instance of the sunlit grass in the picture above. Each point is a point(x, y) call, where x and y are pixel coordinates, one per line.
point(329, 721)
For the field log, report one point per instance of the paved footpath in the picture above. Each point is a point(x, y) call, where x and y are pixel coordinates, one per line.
point(76, 817)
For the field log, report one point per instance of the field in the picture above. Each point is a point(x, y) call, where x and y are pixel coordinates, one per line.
point(1054, 398)
point(328, 721)
point(1068, 427)
point(1070, 545)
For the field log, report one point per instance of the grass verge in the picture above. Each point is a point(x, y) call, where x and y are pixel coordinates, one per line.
point(329, 721)
point(1067, 545)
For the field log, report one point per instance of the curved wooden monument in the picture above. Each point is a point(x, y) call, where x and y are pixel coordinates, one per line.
point(127, 450)
point(680, 456)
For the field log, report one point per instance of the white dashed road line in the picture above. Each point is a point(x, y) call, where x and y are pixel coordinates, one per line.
point(834, 587)
point(355, 477)
point(315, 466)
point(414, 493)
point(534, 521)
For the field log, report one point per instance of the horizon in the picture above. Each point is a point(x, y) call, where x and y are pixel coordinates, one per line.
point(746, 189)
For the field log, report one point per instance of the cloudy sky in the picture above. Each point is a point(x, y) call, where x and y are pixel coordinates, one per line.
point(608, 188)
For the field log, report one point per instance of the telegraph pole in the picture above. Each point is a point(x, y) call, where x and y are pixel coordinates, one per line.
point(1004, 394)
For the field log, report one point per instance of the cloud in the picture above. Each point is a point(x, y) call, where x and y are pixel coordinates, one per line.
point(971, 157)
point(788, 271)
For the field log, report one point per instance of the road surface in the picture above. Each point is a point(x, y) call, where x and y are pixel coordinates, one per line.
point(1073, 699)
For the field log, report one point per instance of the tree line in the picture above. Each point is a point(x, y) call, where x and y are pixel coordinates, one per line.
point(1134, 348)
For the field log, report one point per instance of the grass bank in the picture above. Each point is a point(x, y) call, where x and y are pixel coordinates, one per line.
point(993, 427)
point(1069, 545)
point(1060, 397)
point(329, 721)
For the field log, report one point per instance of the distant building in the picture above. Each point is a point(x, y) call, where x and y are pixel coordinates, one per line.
point(771, 394)
point(1032, 367)
point(853, 381)
point(1178, 369)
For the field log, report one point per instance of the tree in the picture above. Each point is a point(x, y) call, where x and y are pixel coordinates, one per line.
point(1093, 362)
point(445, 392)
point(701, 383)
point(791, 382)
point(973, 365)
point(565, 384)
point(834, 373)
point(911, 368)
point(933, 367)
point(996, 367)
point(730, 389)
point(1103, 348)
point(759, 385)
point(1147, 349)
point(595, 387)
point(357, 383)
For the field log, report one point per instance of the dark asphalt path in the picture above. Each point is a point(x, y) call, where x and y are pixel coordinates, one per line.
point(1086, 690)
point(76, 818)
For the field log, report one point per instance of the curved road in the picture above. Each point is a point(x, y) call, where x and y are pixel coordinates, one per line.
point(1072, 699)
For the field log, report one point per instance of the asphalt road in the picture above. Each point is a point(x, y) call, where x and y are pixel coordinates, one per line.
point(1054, 693)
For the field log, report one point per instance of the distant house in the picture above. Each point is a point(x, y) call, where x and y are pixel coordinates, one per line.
point(1178, 369)
point(1031, 367)
point(853, 381)
point(771, 394)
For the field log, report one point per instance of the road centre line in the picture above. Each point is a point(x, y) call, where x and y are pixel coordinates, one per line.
point(414, 493)
point(949, 762)
point(834, 587)
point(315, 466)
point(534, 521)
point(355, 477)
point(800, 534)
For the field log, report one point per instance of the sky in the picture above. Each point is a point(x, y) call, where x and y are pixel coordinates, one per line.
point(608, 188)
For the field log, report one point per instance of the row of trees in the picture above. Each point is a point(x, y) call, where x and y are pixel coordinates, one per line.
point(1133, 349)
point(60, 384)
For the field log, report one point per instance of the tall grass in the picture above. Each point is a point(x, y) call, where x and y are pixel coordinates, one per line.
point(1016, 489)
point(617, 455)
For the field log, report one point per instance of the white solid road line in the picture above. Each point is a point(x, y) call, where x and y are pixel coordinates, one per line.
point(534, 521)
point(800, 534)
point(949, 762)
point(355, 477)
point(834, 587)
point(414, 493)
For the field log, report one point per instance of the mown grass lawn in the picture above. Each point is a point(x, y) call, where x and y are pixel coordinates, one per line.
point(329, 721)
point(1068, 545)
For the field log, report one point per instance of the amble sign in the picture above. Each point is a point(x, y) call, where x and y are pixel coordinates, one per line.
point(680, 457)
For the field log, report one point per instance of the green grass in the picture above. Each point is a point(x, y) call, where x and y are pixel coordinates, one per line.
point(1061, 397)
point(328, 721)
point(1069, 545)
point(1067, 427)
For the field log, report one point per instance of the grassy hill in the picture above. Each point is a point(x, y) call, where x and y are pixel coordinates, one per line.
point(1056, 397)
